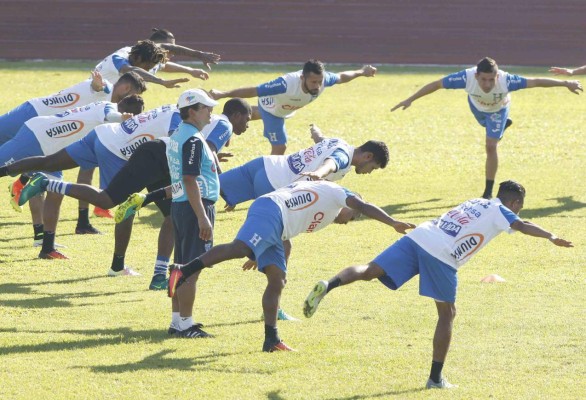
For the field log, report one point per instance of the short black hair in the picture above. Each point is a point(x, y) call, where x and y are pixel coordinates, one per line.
point(148, 51)
point(236, 105)
point(315, 66)
point(133, 104)
point(184, 111)
point(510, 190)
point(379, 150)
point(135, 80)
point(487, 65)
point(161, 35)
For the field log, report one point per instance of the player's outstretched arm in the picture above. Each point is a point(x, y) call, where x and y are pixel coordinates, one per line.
point(327, 167)
point(573, 86)
point(567, 71)
point(245, 93)
point(531, 229)
point(424, 91)
point(204, 57)
point(196, 73)
point(367, 71)
point(374, 212)
point(148, 77)
point(316, 133)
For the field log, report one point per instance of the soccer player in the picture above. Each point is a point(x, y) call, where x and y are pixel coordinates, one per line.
point(280, 98)
point(436, 250)
point(488, 91)
point(272, 219)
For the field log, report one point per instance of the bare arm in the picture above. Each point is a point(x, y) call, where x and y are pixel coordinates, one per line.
point(316, 133)
point(377, 213)
point(194, 197)
point(204, 57)
point(97, 83)
point(573, 86)
point(196, 73)
point(148, 77)
point(529, 228)
point(567, 71)
point(327, 167)
point(366, 71)
point(244, 93)
point(424, 91)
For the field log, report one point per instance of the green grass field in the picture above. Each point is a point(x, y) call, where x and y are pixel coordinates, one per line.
point(68, 331)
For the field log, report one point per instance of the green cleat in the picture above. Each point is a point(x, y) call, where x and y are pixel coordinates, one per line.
point(36, 185)
point(315, 296)
point(159, 282)
point(129, 207)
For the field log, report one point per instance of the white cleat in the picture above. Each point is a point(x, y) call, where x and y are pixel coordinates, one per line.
point(127, 271)
point(443, 384)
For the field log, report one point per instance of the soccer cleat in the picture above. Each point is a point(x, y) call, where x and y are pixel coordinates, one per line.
point(508, 123)
point(193, 332)
point(175, 279)
point(36, 185)
point(127, 271)
point(15, 189)
point(39, 243)
point(129, 207)
point(312, 301)
point(102, 213)
point(53, 255)
point(159, 282)
point(270, 347)
point(172, 330)
point(282, 316)
point(442, 384)
point(87, 230)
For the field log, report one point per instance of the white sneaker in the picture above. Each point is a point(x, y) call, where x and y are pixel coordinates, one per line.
point(312, 301)
point(39, 243)
point(127, 271)
point(443, 384)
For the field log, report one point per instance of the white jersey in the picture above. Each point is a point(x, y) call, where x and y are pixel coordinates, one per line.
point(283, 170)
point(461, 232)
point(110, 66)
point(309, 206)
point(218, 131)
point(123, 139)
point(74, 96)
point(282, 96)
point(58, 131)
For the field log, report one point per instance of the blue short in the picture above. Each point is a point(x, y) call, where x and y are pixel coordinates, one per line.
point(23, 145)
point(89, 152)
point(493, 122)
point(262, 232)
point(274, 127)
point(244, 183)
point(405, 259)
point(13, 120)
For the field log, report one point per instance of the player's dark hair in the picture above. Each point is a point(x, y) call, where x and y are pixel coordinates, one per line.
point(487, 65)
point(236, 105)
point(184, 111)
point(148, 51)
point(135, 80)
point(510, 191)
point(161, 35)
point(315, 66)
point(379, 150)
point(133, 104)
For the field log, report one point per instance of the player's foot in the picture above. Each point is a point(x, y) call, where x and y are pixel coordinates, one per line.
point(127, 271)
point(172, 329)
point(102, 213)
point(282, 316)
point(193, 332)
point(508, 123)
point(39, 243)
point(129, 207)
point(270, 347)
point(312, 301)
point(442, 384)
point(15, 188)
point(175, 279)
point(159, 282)
point(36, 185)
point(86, 230)
point(53, 255)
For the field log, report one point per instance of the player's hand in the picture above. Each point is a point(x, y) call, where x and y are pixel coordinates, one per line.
point(405, 104)
point(126, 116)
point(368, 71)
point(229, 208)
point(223, 157)
point(174, 83)
point(560, 242)
point(402, 227)
point(97, 81)
point(574, 86)
point(312, 176)
point(249, 265)
point(205, 228)
point(316, 133)
point(561, 71)
point(216, 94)
point(209, 58)
point(199, 74)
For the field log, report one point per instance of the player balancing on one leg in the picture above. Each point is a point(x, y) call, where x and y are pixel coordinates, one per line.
point(436, 250)
point(273, 218)
point(488, 91)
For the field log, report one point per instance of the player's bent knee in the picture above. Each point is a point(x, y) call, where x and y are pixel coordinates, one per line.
point(372, 271)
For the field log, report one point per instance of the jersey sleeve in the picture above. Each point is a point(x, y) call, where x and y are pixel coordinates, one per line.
point(175, 121)
point(107, 86)
point(219, 135)
point(331, 79)
point(456, 80)
point(341, 158)
point(191, 156)
point(276, 86)
point(505, 218)
point(516, 82)
point(119, 62)
point(111, 113)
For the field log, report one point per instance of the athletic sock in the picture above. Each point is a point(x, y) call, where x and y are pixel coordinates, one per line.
point(175, 318)
point(192, 267)
point(4, 171)
point(38, 231)
point(117, 263)
point(48, 242)
point(333, 283)
point(436, 371)
point(185, 323)
point(271, 334)
point(488, 189)
point(161, 265)
point(158, 194)
point(58, 187)
point(83, 217)
point(24, 179)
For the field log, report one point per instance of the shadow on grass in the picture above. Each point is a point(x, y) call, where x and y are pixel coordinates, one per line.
point(24, 288)
point(385, 394)
point(274, 395)
point(564, 204)
point(254, 321)
point(61, 300)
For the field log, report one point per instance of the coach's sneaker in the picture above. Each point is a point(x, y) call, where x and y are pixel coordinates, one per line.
point(15, 189)
point(175, 279)
point(39, 243)
point(36, 185)
point(87, 230)
point(53, 255)
point(172, 329)
point(442, 384)
point(270, 347)
point(129, 207)
point(312, 301)
point(102, 213)
point(127, 271)
point(159, 282)
point(194, 332)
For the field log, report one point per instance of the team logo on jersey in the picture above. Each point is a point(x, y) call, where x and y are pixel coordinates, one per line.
point(267, 102)
point(317, 219)
point(61, 100)
point(467, 245)
point(449, 228)
point(301, 199)
point(296, 164)
point(133, 144)
point(63, 129)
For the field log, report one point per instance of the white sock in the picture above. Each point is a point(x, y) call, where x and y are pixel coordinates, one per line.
point(175, 318)
point(185, 323)
point(58, 186)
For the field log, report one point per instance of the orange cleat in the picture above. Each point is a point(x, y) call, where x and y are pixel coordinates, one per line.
point(100, 212)
point(53, 255)
point(15, 190)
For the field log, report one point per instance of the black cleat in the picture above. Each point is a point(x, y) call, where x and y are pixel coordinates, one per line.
point(193, 332)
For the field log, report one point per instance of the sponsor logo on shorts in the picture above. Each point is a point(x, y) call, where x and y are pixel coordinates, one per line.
point(301, 199)
point(317, 219)
point(61, 100)
point(63, 129)
point(467, 245)
point(133, 144)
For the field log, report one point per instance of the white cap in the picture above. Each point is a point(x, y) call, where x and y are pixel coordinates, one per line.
point(194, 96)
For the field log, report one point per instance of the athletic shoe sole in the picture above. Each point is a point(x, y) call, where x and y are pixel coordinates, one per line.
point(314, 297)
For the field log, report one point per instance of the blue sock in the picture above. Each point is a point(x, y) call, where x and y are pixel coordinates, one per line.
point(58, 187)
